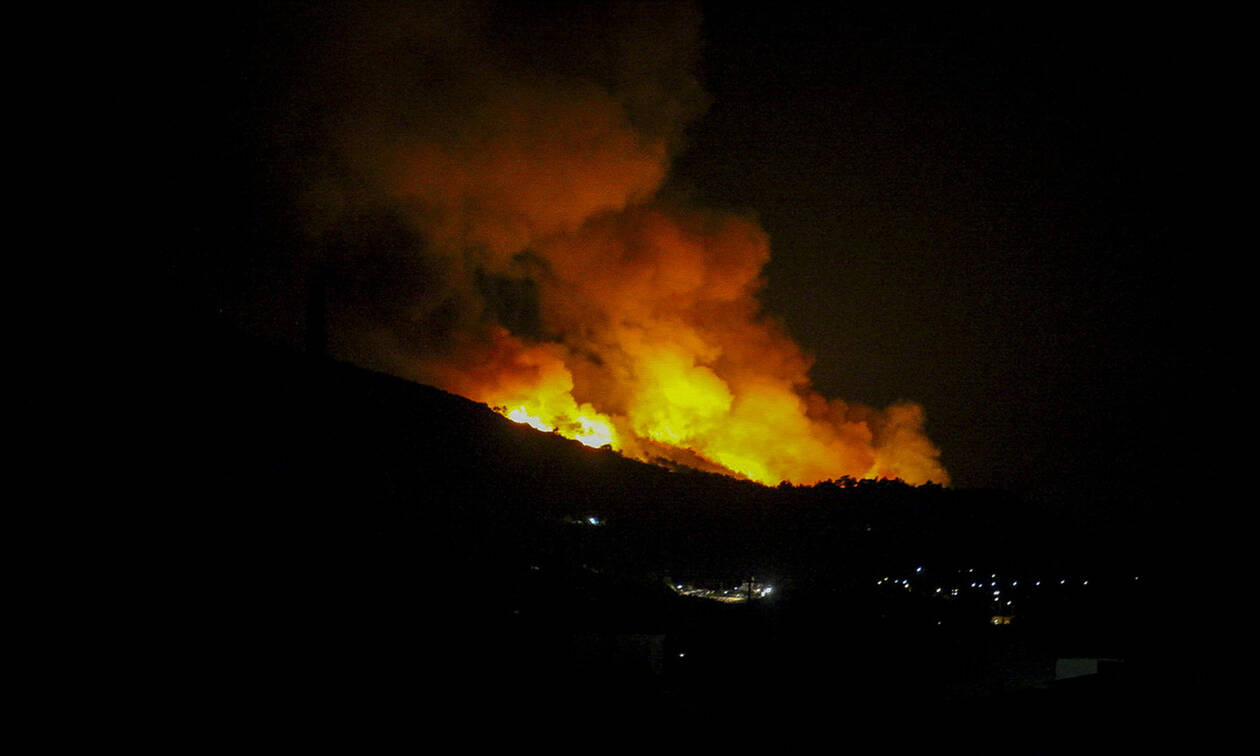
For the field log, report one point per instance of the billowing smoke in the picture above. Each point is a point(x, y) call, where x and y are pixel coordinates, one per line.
point(480, 190)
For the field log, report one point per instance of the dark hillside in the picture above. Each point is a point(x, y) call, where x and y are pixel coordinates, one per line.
point(324, 529)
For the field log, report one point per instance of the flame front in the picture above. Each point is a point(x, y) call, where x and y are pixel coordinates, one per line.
point(666, 355)
point(588, 428)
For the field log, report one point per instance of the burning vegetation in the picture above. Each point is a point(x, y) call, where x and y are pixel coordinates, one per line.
point(485, 206)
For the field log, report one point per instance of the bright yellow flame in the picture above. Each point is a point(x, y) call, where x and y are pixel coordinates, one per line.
point(671, 362)
point(677, 401)
point(753, 428)
point(595, 432)
point(520, 415)
point(564, 416)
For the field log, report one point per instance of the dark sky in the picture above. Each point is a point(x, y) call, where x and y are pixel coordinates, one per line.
point(964, 211)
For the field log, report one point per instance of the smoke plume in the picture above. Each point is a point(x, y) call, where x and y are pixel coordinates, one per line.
point(480, 193)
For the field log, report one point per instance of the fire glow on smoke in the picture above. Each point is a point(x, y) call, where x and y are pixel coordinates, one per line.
point(491, 204)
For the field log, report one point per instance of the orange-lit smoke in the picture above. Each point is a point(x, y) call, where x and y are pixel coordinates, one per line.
point(533, 266)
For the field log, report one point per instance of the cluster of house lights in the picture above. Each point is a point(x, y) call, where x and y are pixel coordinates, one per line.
point(738, 594)
point(993, 584)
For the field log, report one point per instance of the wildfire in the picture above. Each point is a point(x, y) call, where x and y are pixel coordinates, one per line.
point(662, 352)
point(529, 264)
point(595, 432)
point(521, 415)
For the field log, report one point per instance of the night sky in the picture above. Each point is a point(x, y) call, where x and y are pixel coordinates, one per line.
point(963, 211)
point(966, 211)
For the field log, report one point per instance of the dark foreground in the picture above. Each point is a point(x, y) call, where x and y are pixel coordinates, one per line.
point(337, 545)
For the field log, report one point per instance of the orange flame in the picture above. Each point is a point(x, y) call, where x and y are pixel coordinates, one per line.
point(665, 354)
